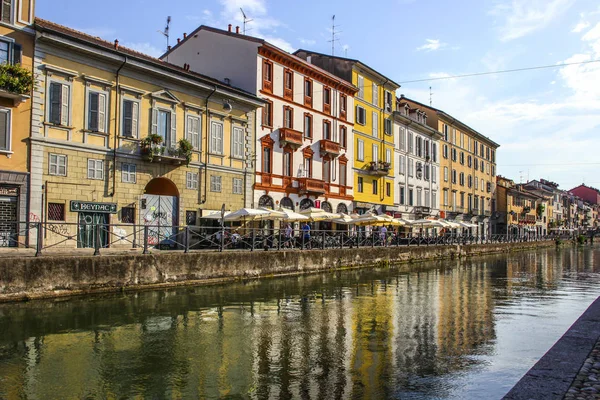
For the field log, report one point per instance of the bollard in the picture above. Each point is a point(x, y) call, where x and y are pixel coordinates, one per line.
point(187, 239)
point(145, 240)
point(40, 236)
point(97, 241)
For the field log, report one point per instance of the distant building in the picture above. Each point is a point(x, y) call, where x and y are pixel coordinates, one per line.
point(587, 193)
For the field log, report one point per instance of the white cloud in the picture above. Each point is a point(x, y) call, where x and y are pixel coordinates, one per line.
point(144, 47)
point(307, 42)
point(581, 26)
point(281, 43)
point(431, 45)
point(522, 17)
point(104, 33)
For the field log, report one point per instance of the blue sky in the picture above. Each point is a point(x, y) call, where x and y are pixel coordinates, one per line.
point(547, 121)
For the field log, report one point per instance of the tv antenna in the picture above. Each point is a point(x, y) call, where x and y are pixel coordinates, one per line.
point(333, 35)
point(246, 20)
point(166, 33)
point(430, 97)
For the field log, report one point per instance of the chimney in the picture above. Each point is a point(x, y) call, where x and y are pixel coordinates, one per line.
point(237, 29)
point(184, 35)
point(229, 28)
point(178, 40)
point(117, 44)
point(169, 48)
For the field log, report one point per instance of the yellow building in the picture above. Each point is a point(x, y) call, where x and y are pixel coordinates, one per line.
point(373, 129)
point(16, 55)
point(517, 208)
point(467, 170)
point(125, 139)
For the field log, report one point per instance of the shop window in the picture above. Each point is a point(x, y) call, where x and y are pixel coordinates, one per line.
point(128, 215)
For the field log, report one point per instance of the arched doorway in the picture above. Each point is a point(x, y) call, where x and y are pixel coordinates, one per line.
point(306, 204)
point(159, 209)
point(341, 208)
point(326, 206)
point(286, 202)
point(266, 202)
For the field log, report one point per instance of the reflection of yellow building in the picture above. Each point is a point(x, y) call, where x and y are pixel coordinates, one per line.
point(116, 128)
point(373, 129)
point(16, 53)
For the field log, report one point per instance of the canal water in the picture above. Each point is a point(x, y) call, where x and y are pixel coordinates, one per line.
point(448, 330)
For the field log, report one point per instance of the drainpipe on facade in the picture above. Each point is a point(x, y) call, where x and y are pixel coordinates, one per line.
point(206, 148)
point(115, 133)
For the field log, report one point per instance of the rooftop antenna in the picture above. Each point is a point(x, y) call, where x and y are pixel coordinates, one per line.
point(333, 33)
point(430, 97)
point(166, 33)
point(246, 20)
point(521, 176)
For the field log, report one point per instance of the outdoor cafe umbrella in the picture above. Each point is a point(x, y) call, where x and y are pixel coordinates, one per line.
point(372, 219)
point(291, 216)
point(248, 214)
point(317, 214)
point(215, 215)
point(344, 219)
point(427, 223)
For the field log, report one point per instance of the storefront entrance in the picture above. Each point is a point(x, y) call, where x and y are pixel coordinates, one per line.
point(9, 205)
point(159, 210)
point(88, 223)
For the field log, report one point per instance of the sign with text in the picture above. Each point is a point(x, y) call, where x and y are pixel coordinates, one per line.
point(83, 206)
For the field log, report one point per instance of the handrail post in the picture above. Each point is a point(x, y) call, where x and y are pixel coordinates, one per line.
point(187, 239)
point(222, 241)
point(253, 238)
point(372, 238)
point(145, 240)
point(97, 241)
point(134, 241)
point(40, 237)
point(279, 240)
point(322, 240)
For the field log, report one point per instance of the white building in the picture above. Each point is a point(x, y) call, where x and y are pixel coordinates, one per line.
point(304, 147)
point(417, 167)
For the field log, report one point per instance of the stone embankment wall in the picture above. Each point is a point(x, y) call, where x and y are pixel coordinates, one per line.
point(23, 278)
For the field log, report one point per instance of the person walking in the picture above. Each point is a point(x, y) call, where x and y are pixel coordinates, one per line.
point(306, 234)
point(383, 235)
point(288, 235)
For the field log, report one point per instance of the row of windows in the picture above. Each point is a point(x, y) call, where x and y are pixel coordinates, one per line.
point(388, 99)
point(471, 181)
point(423, 171)
point(474, 202)
point(472, 162)
point(163, 120)
point(417, 145)
point(479, 149)
point(374, 152)
point(374, 187)
point(96, 170)
point(410, 200)
point(288, 89)
point(361, 119)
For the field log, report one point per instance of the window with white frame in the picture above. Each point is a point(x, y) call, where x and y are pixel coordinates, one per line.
point(434, 152)
point(57, 164)
point(445, 197)
point(237, 142)
point(95, 169)
point(411, 167)
point(402, 133)
point(237, 185)
point(375, 94)
point(476, 183)
point(402, 167)
point(6, 10)
point(375, 123)
point(419, 196)
point(215, 183)
point(5, 51)
point(361, 150)
point(216, 137)
point(388, 156)
point(192, 130)
point(375, 155)
point(410, 142)
point(191, 181)
point(128, 173)
point(361, 115)
point(402, 199)
point(60, 103)
point(96, 111)
point(388, 126)
point(131, 116)
point(434, 199)
point(445, 174)
point(433, 174)
point(388, 101)
point(361, 89)
point(5, 129)
point(427, 198)
point(163, 124)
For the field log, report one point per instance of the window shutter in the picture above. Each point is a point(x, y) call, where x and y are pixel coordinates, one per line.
point(93, 100)
point(17, 50)
point(64, 112)
point(173, 141)
point(127, 118)
point(375, 124)
point(101, 113)
point(154, 128)
point(135, 115)
point(4, 140)
point(55, 102)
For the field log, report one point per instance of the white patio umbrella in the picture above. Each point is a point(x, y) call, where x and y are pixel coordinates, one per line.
point(215, 215)
point(369, 219)
point(291, 216)
point(449, 224)
point(273, 214)
point(317, 214)
point(427, 223)
point(248, 214)
point(344, 219)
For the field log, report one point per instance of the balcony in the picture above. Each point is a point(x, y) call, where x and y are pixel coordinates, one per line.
point(311, 186)
point(290, 137)
point(327, 108)
point(153, 150)
point(422, 210)
point(378, 168)
point(330, 148)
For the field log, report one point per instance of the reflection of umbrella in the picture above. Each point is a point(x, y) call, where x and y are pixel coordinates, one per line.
point(317, 214)
point(291, 216)
point(215, 215)
point(248, 214)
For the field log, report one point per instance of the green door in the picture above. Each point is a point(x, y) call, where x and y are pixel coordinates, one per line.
point(88, 223)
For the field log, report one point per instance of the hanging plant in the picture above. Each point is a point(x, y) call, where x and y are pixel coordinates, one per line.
point(185, 150)
point(15, 79)
point(151, 146)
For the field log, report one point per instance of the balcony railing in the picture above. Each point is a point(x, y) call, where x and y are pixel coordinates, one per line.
point(163, 154)
point(327, 108)
point(311, 186)
point(423, 210)
point(329, 147)
point(379, 168)
point(290, 137)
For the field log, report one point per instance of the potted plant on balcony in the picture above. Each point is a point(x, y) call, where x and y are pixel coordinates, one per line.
point(384, 165)
point(185, 150)
point(15, 79)
point(151, 146)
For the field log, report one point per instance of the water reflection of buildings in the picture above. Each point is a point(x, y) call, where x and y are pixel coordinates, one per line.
point(362, 334)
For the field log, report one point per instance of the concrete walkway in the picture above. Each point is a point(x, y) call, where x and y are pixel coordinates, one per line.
point(569, 369)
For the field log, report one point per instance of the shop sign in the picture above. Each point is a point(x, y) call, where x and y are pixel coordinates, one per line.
point(82, 206)
point(9, 191)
